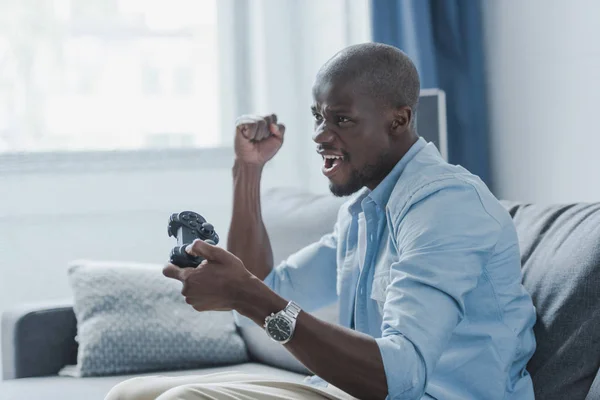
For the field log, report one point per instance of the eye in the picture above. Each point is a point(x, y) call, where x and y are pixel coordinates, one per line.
point(318, 117)
point(342, 120)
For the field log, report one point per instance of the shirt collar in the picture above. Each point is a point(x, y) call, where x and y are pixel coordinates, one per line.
point(381, 194)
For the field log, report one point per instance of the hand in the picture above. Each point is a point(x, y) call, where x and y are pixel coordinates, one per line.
point(257, 139)
point(215, 283)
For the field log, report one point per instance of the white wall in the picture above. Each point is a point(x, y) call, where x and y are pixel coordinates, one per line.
point(543, 60)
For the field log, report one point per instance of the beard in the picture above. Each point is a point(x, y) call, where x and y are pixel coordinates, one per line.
point(368, 174)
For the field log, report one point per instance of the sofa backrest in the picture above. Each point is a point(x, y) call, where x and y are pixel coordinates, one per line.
point(295, 218)
point(560, 256)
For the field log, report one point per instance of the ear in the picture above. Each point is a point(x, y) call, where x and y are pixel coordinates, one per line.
point(402, 120)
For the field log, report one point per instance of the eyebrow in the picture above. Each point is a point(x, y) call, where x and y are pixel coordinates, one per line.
point(333, 109)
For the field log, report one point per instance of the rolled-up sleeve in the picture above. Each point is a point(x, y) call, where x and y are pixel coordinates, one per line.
point(444, 242)
point(308, 276)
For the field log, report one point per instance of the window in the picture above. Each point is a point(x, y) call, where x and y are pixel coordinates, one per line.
point(108, 75)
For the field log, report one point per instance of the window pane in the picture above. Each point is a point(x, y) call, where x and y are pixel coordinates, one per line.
point(110, 74)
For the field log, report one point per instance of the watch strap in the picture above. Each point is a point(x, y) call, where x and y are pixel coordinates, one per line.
point(292, 309)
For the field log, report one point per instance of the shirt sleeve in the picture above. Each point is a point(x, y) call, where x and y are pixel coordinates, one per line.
point(444, 241)
point(308, 276)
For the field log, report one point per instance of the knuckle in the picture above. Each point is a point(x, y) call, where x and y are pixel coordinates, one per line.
point(186, 288)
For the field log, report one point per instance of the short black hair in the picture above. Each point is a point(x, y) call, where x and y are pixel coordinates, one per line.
point(382, 71)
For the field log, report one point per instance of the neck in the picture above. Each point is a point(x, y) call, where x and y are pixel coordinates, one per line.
point(393, 158)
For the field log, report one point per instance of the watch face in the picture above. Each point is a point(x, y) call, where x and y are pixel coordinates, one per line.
point(279, 329)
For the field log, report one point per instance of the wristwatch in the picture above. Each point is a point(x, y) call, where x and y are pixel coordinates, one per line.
point(280, 327)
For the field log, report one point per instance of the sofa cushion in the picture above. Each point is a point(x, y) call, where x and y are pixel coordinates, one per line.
point(130, 318)
point(560, 247)
point(66, 388)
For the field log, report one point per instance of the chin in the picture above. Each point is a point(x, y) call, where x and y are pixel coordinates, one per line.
point(345, 189)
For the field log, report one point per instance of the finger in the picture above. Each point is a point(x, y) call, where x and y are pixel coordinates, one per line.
point(208, 251)
point(278, 130)
point(269, 119)
point(173, 271)
point(262, 130)
point(271, 125)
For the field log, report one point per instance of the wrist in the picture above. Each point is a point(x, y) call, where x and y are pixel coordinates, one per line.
point(256, 301)
point(247, 168)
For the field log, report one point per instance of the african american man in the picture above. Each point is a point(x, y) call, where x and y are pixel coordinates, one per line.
point(423, 260)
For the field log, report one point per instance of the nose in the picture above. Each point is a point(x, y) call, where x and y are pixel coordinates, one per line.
point(322, 134)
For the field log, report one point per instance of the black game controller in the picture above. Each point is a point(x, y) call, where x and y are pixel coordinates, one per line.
point(188, 226)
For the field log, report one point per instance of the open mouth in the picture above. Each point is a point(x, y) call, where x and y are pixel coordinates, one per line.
point(331, 163)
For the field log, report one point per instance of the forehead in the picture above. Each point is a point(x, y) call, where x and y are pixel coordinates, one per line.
point(342, 93)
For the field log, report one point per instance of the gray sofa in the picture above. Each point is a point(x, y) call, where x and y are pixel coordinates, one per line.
point(560, 247)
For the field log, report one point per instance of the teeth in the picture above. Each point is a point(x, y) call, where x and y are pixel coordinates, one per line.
point(332, 157)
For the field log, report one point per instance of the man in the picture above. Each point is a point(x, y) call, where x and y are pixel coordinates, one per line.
point(423, 259)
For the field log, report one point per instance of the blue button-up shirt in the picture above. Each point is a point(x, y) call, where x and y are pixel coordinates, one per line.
point(440, 284)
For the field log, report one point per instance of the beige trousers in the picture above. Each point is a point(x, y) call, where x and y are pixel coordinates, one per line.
point(220, 386)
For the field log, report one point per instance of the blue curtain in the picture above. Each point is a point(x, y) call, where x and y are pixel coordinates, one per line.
point(444, 39)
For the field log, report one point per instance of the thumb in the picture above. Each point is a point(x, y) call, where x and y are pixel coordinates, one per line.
point(201, 248)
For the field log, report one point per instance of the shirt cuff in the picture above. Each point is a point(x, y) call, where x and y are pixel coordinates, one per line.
point(404, 368)
point(270, 279)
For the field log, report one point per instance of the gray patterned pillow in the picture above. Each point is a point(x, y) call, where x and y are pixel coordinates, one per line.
point(130, 319)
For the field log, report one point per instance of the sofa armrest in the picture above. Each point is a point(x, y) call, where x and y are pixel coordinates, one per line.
point(38, 339)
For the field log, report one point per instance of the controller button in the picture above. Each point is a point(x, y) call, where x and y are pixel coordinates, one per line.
point(193, 223)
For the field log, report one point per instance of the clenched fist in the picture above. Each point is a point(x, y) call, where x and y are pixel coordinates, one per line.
point(257, 139)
